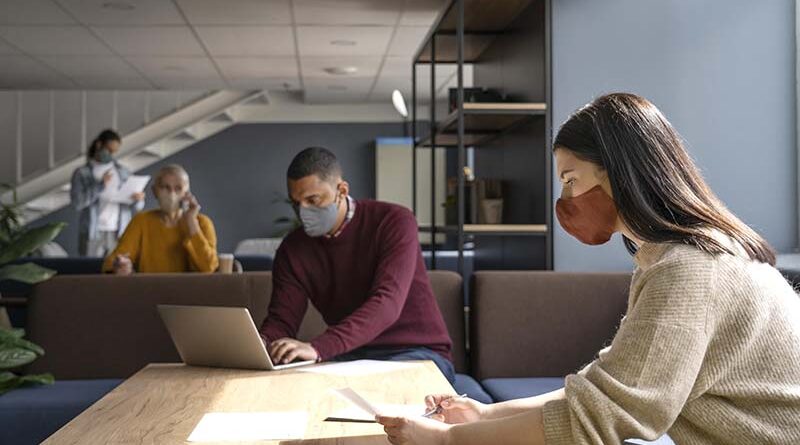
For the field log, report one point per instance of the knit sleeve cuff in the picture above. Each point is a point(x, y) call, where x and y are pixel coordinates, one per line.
point(196, 241)
point(557, 424)
point(327, 346)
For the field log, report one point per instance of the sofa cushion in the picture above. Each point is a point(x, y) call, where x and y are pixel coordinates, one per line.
point(516, 388)
point(29, 415)
point(542, 324)
point(465, 384)
point(253, 263)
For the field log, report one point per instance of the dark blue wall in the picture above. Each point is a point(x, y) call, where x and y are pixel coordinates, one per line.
point(238, 173)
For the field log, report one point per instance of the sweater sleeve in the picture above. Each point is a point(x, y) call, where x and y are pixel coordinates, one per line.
point(638, 386)
point(288, 303)
point(81, 195)
point(202, 247)
point(399, 248)
point(130, 243)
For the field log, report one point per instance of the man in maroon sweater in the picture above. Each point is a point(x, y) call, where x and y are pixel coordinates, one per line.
point(360, 264)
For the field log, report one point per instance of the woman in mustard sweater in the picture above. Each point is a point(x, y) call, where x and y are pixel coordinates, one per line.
point(173, 238)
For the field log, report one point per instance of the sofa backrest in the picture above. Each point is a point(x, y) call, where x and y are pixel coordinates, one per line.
point(447, 287)
point(542, 324)
point(104, 326)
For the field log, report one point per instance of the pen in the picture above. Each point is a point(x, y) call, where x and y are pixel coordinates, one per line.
point(438, 407)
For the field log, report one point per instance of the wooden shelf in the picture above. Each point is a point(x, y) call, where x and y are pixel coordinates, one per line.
point(483, 20)
point(484, 121)
point(493, 229)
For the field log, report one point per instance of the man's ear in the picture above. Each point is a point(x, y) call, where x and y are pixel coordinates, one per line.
point(344, 188)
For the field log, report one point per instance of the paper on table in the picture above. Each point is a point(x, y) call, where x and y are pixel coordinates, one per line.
point(134, 184)
point(356, 414)
point(232, 427)
point(358, 401)
point(357, 368)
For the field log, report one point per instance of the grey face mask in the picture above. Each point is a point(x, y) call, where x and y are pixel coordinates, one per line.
point(104, 156)
point(319, 221)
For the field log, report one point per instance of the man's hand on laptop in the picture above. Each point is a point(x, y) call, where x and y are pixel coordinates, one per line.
point(286, 350)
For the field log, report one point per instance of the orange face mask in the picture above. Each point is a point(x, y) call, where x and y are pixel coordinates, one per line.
point(589, 217)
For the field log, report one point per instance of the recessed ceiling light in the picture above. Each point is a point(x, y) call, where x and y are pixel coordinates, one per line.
point(119, 6)
point(343, 42)
point(341, 70)
point(337, 87)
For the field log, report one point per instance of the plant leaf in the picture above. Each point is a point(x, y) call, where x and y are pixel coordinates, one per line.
point(6, 343)
point(30, 240)
point(11, 333)
point(40, 379)
point(8, 381)
point(13, 357)
point(28, 273)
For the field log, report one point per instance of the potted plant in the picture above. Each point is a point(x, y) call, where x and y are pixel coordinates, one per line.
point(16, 242)
point(288, 224)
point(15, 352)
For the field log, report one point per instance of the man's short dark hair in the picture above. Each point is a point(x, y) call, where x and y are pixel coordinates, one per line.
point(314, 161)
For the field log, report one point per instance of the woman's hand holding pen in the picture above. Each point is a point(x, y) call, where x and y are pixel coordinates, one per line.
point(455, 409)
point(433, 428)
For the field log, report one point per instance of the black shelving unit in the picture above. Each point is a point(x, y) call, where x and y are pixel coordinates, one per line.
point(470, 31)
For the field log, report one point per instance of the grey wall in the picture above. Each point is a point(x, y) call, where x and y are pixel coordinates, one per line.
point(723, 73)
point(237, 174)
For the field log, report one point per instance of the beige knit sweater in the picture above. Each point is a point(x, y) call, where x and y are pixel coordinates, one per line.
point(709, 352)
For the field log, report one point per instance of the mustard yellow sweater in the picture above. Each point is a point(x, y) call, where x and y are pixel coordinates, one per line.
point(153, 247)
point(709, 352)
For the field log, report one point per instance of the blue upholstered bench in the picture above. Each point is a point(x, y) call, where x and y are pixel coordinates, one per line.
point(465, 384)
point(29, 415)
point(503, 389)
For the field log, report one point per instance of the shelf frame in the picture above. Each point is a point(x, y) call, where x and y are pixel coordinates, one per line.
point(493, 229)
point(454, 130)
point(525, 111)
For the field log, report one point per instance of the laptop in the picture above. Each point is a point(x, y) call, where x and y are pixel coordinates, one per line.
point(222, 337)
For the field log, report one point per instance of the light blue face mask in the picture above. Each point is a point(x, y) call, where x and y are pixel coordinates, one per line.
point(319, 221)
point(104, 156)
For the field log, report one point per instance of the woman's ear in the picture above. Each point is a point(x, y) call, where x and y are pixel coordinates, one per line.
point(605, 182)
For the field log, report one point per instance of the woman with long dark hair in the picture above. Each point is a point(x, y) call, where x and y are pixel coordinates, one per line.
point(709, 349)
point(103, 216)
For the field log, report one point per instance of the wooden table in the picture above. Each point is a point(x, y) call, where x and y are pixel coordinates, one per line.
point(162, 403)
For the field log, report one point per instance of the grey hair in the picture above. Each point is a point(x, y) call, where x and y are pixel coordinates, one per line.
point(171, 169)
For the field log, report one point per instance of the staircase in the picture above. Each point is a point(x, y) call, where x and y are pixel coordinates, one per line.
point(45, 190)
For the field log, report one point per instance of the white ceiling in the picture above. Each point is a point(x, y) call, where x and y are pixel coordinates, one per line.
point(216, 44)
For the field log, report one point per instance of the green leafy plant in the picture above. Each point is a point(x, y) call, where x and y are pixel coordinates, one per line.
point(15, 351)
point(17, 241)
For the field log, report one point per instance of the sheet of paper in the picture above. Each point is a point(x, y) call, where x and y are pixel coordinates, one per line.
point(242, 427)
point(357, 368)
point(356, 414)
point(134, 184)
point(356, 400)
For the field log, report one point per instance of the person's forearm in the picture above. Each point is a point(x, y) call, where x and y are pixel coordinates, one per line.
point(525, 428)
point(517, 406)
point(193, 226)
